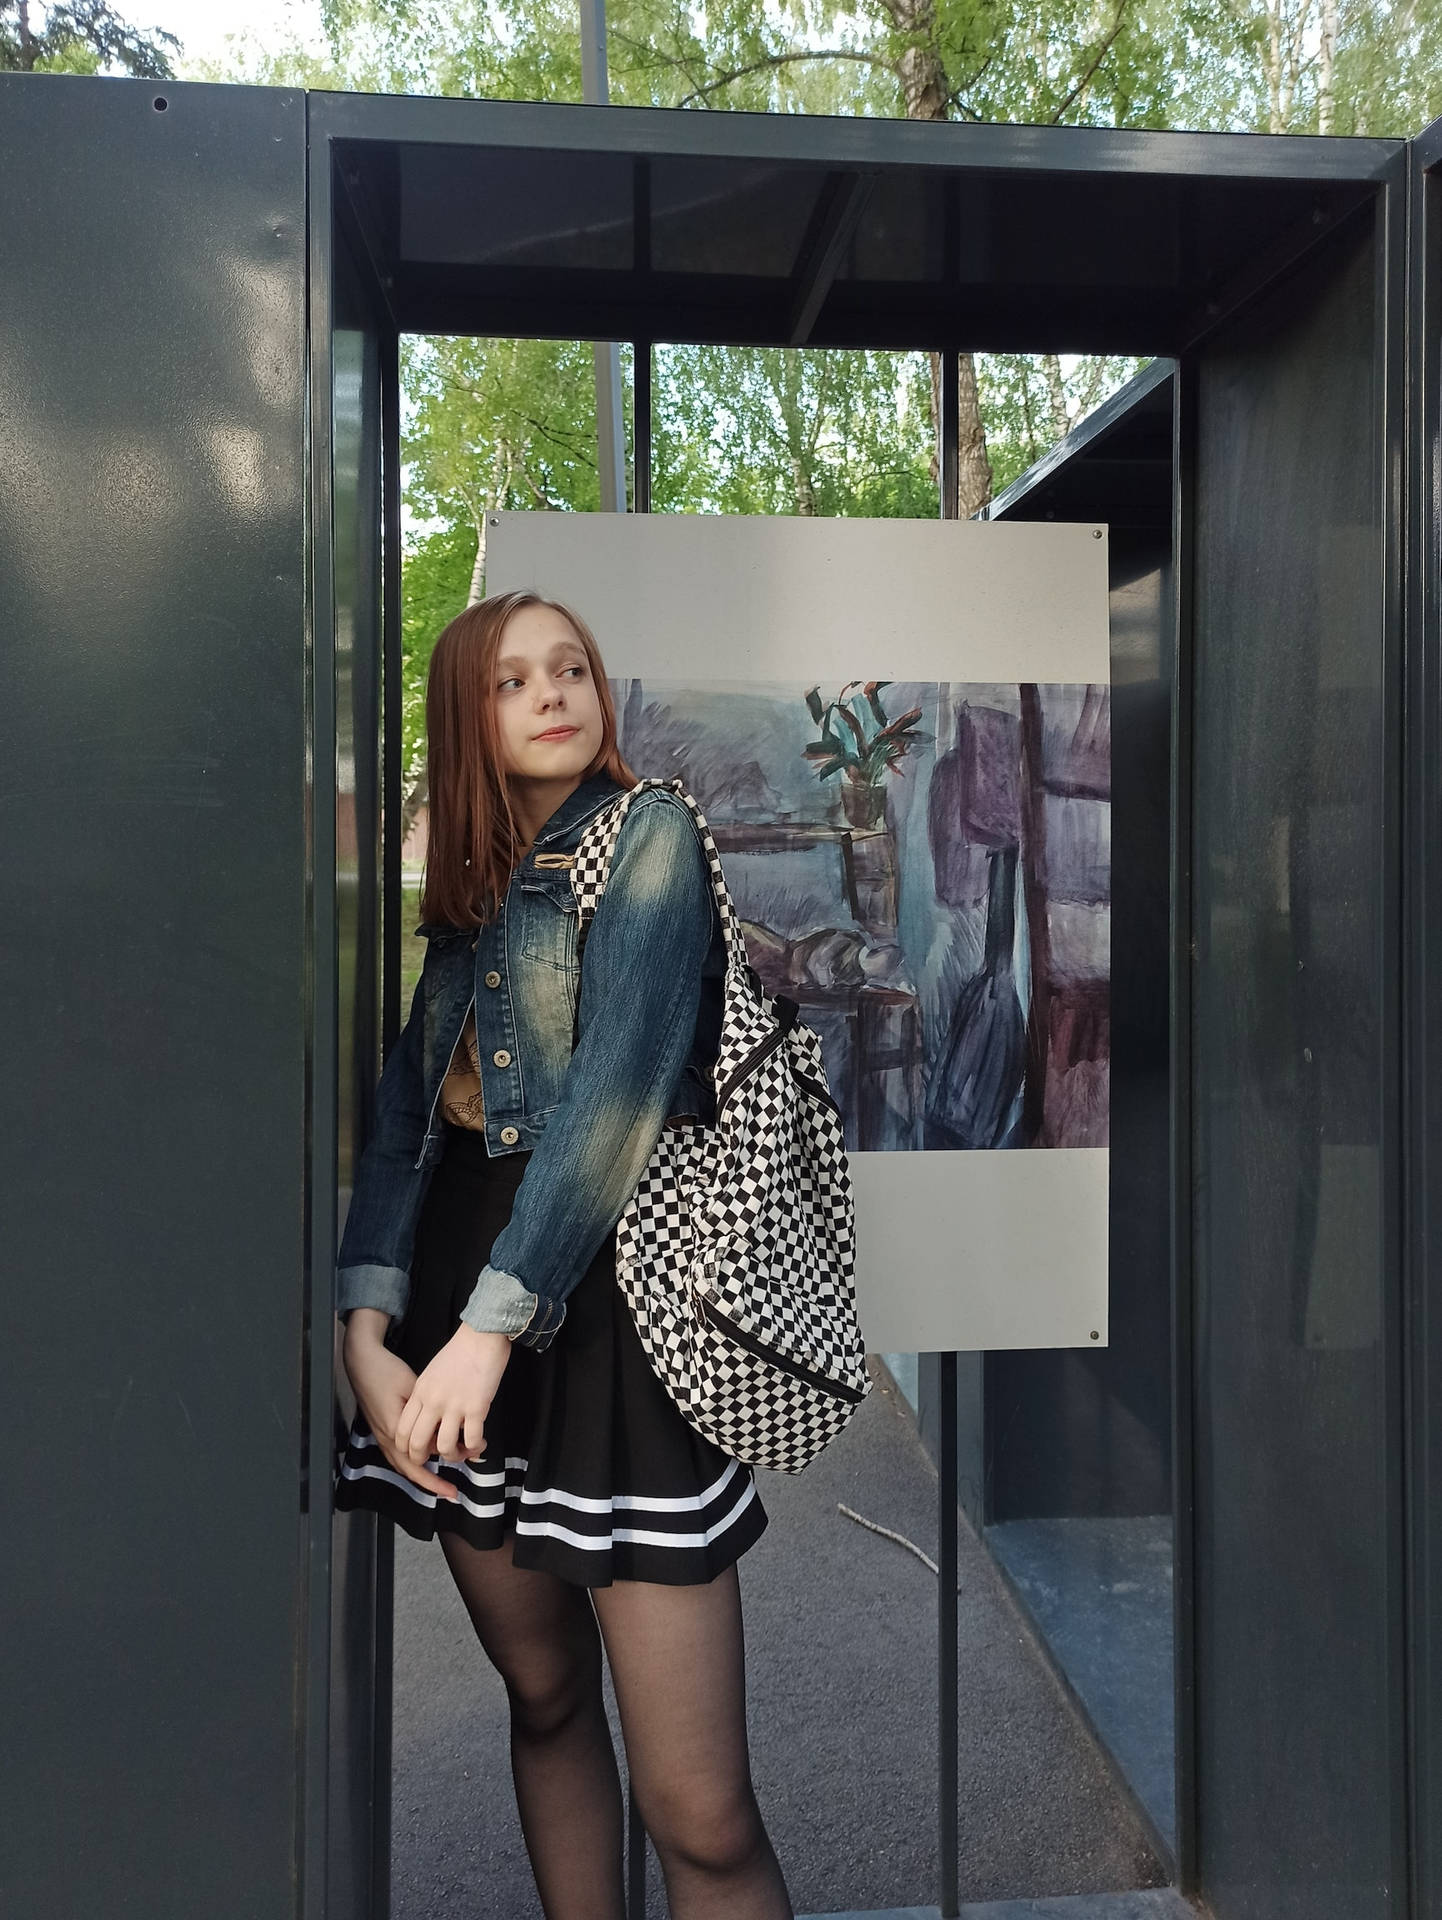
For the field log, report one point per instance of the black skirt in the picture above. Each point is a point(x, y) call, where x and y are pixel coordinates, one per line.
point(588, 1459)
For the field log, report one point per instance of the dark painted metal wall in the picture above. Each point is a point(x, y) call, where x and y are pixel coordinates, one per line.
point(1075, 1432)
point(358, 1743)
point(152, 970)
point(1294, 1171)
point(1423, 1039)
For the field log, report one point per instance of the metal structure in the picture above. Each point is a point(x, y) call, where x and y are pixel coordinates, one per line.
point(201, 293)
point(1085, 1436)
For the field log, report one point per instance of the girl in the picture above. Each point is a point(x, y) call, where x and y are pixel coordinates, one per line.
point(504, 1399)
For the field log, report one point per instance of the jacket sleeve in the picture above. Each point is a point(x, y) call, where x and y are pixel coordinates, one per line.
point(373, 1263)
point(639, 995)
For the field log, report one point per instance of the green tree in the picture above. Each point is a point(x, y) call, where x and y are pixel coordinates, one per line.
point(1315, 66)
point(499, 423)
point(488, 424)
point(780, 430)
point(81, 36)
point(494, 423)
point(436, 569)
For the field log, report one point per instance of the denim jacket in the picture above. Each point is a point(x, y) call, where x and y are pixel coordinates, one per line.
point(645, 1036)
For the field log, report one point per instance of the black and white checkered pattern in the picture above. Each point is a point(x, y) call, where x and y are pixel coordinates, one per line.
point(736, 1253)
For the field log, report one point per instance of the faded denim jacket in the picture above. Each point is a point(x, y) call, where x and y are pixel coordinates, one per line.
point(645, 1034)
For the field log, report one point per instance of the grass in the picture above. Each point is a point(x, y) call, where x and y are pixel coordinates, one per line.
point(413, 949)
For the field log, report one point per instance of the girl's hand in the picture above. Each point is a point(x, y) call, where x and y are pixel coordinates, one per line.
point(448, 1404)
point(382, 1383)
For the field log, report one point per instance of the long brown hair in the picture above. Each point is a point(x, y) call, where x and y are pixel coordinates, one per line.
point(472, 841)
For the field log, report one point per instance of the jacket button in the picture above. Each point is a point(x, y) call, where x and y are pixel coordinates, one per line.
point(475, 943)
point(493, 979)
point(509, 1136)
point(500, 1058)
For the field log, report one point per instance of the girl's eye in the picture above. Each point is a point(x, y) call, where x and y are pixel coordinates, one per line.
point(515, 678)
point(512, 680)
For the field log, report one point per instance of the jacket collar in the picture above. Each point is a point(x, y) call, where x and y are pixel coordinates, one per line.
point(582, 804)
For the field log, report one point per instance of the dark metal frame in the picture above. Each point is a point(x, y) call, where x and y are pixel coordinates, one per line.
point(1421, 832)
point(1118, 467)
point(1184, 1641)
point(853, 157)
point(1392, 306)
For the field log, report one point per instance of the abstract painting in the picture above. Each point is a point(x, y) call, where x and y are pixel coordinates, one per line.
point(925, 866)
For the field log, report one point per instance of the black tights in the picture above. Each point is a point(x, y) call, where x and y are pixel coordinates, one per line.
point(678, 1667)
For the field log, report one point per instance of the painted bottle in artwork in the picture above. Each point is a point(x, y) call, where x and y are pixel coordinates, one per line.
point(972, 1100)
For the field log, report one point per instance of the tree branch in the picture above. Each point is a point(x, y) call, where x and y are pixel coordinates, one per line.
point(1102, 51)
point(954, 99)
point(773, 60)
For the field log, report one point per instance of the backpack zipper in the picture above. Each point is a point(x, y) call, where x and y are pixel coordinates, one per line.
point(761, 1051)
point(749, 1341)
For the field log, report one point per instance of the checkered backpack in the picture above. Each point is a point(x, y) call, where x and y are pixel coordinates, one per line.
point(736, 1251)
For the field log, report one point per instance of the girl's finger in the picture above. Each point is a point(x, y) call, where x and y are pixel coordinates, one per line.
point(422, 1476)
point(421, 1444)
point(475, 1436)
point(448, 1433)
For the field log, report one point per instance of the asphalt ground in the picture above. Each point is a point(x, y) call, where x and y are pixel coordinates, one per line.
point(842, 1713)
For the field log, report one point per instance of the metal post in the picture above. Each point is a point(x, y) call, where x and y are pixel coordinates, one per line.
point(641, 379)
point(610, 439)
point(946, 1664)
point(946, 1491)
point(641, 423)
point(950, 462)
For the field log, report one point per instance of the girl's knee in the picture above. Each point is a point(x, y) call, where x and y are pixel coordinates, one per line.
point(718, 1833)
point(547, 1690)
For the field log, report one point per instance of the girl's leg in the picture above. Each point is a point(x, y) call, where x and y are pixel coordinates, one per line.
point(539, 1633)
point(678, 1666)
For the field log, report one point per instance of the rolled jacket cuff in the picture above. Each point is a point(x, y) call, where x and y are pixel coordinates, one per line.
point(499, 1303)
point(387, 1288)
point(544, 1325)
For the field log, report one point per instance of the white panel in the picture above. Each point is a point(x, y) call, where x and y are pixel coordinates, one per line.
point(964, 1250)
point(978, 1251)
point(761, 597)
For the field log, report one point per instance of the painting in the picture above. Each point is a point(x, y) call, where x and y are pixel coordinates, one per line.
point(922, 860)
point(925, 868)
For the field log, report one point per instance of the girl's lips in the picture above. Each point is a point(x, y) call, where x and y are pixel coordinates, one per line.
point(556, 733)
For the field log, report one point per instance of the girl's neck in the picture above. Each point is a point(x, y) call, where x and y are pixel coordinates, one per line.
point(534, 801)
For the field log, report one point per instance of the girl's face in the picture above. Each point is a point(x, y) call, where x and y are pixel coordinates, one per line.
point(548, 715)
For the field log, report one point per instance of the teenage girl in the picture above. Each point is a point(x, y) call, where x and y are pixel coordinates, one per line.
point(504, 1400)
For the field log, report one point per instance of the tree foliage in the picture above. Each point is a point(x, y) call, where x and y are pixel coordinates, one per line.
point(80, 36)
point(506, 423)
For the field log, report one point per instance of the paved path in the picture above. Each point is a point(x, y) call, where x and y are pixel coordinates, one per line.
point(841, 1666)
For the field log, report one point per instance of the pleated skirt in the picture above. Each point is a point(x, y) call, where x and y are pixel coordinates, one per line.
point(588, 1460)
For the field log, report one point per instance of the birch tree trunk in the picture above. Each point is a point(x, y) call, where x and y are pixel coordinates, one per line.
point(500, 462)
point(412, 804)
point(1327, 69)
point(926, 97)
point(1284, 54)
point(1055, 395)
